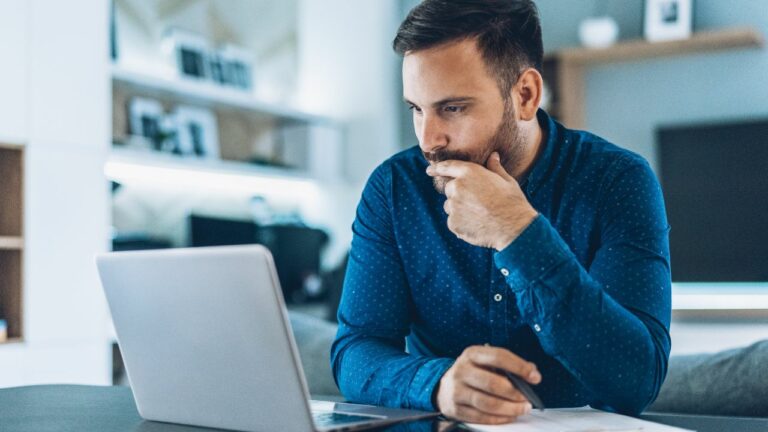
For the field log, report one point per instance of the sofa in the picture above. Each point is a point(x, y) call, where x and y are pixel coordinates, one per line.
point(731, 383)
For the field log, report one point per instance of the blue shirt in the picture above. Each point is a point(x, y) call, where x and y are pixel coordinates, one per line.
point(583, 292)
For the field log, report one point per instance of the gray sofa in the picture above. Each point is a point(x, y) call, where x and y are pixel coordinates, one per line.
point(733, 382)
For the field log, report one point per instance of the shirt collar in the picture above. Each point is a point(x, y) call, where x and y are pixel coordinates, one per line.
point(544, 161)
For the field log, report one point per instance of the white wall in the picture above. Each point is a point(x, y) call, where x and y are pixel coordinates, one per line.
point(347, 70)
point(59, 91)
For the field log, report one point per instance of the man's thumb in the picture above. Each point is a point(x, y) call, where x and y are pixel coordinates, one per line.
point(494, 164)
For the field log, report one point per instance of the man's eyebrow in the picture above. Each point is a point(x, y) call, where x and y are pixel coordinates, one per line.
point(446, 101)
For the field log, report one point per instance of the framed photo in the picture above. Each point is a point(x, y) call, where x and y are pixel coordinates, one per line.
point(668, 19)
point(145, 117)
point(197, 132)
point(236, 64)
point(191, 53)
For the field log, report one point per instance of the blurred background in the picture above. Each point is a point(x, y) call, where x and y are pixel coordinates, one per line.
point(146, 124)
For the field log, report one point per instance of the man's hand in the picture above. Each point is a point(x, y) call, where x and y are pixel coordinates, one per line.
point(485, 205)
point(472, 391)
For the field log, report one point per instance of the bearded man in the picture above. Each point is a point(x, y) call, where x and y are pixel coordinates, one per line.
point(503, 242)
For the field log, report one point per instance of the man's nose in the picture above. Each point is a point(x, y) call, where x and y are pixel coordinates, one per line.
point(432, 134)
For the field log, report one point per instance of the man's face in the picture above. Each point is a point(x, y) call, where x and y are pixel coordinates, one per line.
point(458, 110)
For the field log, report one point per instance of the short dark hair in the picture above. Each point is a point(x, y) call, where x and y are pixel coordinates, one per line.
point(508, 33)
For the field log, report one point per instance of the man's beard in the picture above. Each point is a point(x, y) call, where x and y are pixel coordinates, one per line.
point(506, 141)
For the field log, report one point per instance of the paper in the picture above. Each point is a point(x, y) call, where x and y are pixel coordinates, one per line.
point(575, 420)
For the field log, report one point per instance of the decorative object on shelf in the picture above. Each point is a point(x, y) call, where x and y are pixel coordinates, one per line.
point(598, 32)
point(236, 64)
point(197, 131)
point(196, 58)
point(190, 52)
point(148, 122)
point(668, 19)
point(3, 331)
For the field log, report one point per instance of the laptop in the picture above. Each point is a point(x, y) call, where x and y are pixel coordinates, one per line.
point(206, 341)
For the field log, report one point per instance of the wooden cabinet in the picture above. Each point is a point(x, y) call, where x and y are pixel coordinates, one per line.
point(11, 238)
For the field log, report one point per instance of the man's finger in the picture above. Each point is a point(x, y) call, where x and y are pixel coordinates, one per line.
point(450, 168)
point(492, 357)
point(492, 405)
point(450, 188)
point(470, 414)
point(494, 165)
point(493, 383)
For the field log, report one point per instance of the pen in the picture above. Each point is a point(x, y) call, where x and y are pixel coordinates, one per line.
point(525, 389)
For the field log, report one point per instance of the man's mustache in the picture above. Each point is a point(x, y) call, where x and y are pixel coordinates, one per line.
point(444, 155)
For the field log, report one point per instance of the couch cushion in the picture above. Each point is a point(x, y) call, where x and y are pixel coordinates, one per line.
point(314, 337)
point(732, 382)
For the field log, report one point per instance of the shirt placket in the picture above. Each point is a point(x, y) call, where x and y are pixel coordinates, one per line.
point(498, 298)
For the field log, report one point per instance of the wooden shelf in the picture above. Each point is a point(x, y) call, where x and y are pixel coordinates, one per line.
point(700, 42)
point(201, 93)
point(13, 243)
point(564, 69)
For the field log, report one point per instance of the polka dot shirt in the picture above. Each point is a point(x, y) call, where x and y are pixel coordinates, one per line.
point(583, 292)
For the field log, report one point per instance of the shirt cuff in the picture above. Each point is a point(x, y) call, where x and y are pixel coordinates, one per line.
point(424, 383)
point(532, 254)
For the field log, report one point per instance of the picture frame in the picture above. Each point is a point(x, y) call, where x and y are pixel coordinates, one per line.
point(191, 53)
point(145, 118)
point(237, 66)
point(668, 20)
point(197, 132)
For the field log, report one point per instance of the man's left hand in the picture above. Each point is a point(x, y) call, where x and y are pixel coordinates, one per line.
point(485, 205)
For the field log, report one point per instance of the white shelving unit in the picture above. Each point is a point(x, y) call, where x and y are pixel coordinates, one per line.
point(313, 145)
point(206, 94)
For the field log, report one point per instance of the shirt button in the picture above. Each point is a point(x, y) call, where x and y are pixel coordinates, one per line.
point(536, 327)
point(505, 272)
point(497, 297)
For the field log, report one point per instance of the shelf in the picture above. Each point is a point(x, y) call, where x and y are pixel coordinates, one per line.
point(11, 306)
point(700, 42)
point(11, 177)
point(190, 174)
point(13, 243)
point(205, 94)
point(161, 160)
point(13, 340)
point(565, 69)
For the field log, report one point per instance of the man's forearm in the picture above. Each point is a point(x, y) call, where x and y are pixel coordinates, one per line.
point(376, 370)
point(619, 354)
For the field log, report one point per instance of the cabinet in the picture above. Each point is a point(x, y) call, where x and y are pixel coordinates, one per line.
point(11, 238)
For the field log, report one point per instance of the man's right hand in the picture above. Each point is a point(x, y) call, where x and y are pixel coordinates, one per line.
point(471, 391)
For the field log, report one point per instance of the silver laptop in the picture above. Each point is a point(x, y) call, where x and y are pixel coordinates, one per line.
point(206, 341)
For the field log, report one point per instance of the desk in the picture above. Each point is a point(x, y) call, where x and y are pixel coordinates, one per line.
point(57, 408)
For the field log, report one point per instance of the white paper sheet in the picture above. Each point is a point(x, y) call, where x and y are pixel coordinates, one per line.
point(576, 420)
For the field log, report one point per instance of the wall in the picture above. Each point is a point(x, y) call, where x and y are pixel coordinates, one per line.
point(57, 79)
point(348, 71)
point(691, 89)
point(695, 88)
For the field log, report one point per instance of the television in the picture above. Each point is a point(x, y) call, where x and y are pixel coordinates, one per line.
point(715, 183)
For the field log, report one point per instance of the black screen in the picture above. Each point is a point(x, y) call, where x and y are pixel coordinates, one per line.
point(715, 181)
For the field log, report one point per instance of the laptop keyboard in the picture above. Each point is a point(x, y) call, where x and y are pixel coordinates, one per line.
point(334, 418)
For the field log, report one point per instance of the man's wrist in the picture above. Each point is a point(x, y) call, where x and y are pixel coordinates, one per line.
point(508, 236)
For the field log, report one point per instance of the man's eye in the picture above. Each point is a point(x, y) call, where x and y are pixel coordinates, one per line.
point(453, 109)
point(414, 108)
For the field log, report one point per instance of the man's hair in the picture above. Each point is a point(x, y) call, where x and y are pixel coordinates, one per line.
point(508, 33)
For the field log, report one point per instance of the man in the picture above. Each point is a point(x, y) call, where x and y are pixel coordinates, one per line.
point(503, 242)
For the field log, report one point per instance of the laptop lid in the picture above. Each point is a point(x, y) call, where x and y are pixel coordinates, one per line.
point(190, 323)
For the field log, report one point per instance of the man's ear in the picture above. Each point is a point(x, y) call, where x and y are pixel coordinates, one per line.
point(527, 94)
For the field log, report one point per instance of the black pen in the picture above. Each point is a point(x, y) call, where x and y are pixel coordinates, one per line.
point(525, 389)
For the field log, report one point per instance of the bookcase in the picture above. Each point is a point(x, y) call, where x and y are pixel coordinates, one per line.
point(11, 239)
